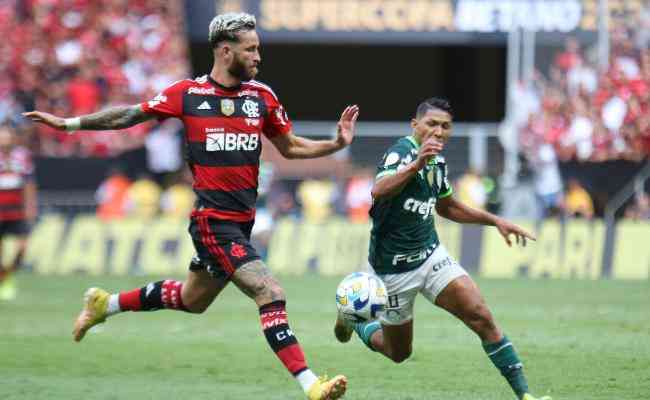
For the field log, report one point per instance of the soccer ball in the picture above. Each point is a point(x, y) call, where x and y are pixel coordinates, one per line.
point(361, 297)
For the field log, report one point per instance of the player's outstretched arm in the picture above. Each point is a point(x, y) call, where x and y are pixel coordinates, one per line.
point(119, 117)
point(292, 146)
point(456, 211)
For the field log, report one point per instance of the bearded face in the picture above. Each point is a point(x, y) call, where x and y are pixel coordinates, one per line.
point(242, 68)
point(245, 56)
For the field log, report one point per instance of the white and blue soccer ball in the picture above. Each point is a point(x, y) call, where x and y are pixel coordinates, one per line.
point(361, 297)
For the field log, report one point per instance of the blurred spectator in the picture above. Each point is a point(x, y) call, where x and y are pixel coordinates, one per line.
point(143, 198)
point(579, 136)
point(163, 146)
point(471, 189)
point(493, 194)
point(570, 57)
point(111, 195)
point(640, 209)
point(316, 199)
point(577, 201)
point(280, 201)
point(178, 200)
point(582, 79)
point(547, 181)
point(76, 57)
point(357, 196)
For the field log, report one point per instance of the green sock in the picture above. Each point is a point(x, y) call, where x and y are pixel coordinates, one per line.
point(505, 358)
point(365, 330)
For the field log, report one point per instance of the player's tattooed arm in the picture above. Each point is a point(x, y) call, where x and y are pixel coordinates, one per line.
point(119, 117)
point(255, 280)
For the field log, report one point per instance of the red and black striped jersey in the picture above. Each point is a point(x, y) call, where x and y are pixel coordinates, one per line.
point(16, 170)
point(223, 129)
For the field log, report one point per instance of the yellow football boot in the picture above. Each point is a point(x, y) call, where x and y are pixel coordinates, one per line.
point(328, 389)
point(93, 312)
point(8, 289)
point(528, 396)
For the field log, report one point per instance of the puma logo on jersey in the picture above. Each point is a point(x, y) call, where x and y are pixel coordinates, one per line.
point(419, 207)
point(231, 141)
point(201, 90)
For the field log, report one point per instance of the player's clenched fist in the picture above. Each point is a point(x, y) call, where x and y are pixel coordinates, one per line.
point(430, 148)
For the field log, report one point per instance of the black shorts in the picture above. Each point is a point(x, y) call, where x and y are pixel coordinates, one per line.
point(17, 227)
point(221, 246)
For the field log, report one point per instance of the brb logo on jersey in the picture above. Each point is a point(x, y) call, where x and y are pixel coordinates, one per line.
point(420, 207)
point(231, 141)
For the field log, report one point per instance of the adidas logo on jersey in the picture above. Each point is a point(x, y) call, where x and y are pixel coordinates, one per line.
point(204, 106)
point(231, 141)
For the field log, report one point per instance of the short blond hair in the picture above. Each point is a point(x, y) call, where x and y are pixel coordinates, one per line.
point(226, 27)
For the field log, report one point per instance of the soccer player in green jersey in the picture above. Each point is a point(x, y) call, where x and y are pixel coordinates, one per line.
point(406, 254)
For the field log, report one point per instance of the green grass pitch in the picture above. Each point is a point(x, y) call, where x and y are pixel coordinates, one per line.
point(579, 340)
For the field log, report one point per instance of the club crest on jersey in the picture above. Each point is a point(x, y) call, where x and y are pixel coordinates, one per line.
point(227, 107)
point(251, 108)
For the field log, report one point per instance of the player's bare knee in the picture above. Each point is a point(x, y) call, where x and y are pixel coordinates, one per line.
point(194, 305)
point(196, 308)
point(480, 320)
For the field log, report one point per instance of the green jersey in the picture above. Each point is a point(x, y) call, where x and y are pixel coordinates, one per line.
point(403, 233)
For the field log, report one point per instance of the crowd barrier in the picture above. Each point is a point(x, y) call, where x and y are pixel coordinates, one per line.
point(575, 249)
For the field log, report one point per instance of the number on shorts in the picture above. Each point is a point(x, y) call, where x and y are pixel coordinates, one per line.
point(393, 301)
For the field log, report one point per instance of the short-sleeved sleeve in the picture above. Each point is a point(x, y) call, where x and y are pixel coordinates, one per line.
point(393, 160)
point(444, 187)
point(277, 122)
point(168, 104)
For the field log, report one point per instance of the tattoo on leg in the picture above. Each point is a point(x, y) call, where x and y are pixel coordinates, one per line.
point(256, 281)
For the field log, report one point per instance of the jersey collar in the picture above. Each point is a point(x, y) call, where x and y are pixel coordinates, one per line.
point(222, 87)
point(413, 142)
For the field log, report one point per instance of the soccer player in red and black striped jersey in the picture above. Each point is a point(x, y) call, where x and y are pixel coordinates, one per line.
point(225, 114)
point(18, 206)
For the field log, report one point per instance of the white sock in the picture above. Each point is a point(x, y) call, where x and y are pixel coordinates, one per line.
point(306, 379)
point(113, 305)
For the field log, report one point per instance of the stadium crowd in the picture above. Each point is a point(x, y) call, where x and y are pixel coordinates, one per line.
point(587, 114)
point(75, 57)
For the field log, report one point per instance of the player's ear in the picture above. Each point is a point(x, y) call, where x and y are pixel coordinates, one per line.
point(224, 49)
point(414, 123)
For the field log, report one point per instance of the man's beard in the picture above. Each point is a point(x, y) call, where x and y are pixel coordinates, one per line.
point(238, 69)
